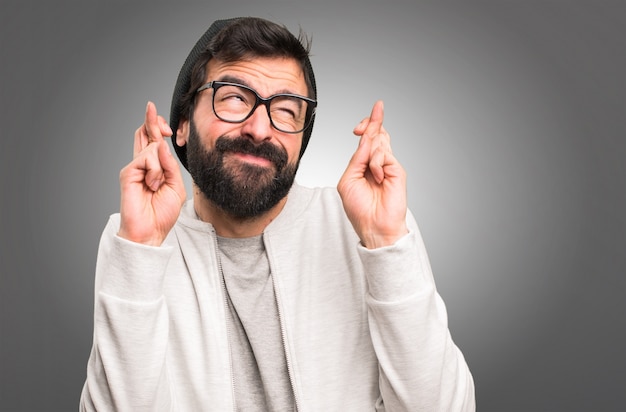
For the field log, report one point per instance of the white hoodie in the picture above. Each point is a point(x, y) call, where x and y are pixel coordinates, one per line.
point(364, 330)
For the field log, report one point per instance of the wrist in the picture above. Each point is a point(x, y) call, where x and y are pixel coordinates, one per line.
point(145, 240)
point(379, 240)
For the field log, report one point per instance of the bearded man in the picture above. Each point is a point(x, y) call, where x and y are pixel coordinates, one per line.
point(259, 294)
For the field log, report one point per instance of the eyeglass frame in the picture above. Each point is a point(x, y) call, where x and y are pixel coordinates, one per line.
point(311, 104)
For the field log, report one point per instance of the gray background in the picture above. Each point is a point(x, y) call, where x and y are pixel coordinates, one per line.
point(508, 116)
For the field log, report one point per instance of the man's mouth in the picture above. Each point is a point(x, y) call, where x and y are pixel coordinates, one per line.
point(253, 159)
point(243, 151)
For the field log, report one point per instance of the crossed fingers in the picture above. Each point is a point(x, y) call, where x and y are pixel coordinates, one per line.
point(375, 137)
point(153, 130)
point(148, 142)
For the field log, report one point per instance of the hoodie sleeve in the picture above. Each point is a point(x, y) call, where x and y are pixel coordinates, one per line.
point(420, 367)
point(126, 369)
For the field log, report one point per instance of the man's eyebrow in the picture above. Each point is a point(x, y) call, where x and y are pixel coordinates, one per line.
point(234, 79)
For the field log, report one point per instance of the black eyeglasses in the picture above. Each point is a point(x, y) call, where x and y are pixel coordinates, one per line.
point(234, 103)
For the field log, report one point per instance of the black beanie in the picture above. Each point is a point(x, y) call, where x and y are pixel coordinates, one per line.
point(183, 83)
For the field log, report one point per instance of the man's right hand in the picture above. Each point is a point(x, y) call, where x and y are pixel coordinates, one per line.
point(152, 186)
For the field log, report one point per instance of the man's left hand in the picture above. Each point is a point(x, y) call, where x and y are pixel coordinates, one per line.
point(373, 187)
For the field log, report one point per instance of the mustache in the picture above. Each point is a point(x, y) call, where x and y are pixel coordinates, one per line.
point(265, 150)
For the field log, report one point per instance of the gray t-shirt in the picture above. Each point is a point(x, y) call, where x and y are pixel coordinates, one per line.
point(258, 355)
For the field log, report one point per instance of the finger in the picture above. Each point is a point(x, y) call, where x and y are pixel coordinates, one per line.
point(383, 165)
point(375, 120)
point(373, 144)
point(382, 140)
point(372, 124)
point(170, 166)
point(376, 165)
point(359, 162)
point(141, 141)
point(143, 133)
point(153, 129)
point(165, 128)
point(360, 128)
point(168, 163)
point(152, 165)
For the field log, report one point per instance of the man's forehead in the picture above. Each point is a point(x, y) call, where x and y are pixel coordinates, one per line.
point(269, 69)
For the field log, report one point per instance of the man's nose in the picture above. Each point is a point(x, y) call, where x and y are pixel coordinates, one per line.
point(258, 126)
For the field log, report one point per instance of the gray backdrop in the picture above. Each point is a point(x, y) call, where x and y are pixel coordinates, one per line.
point(508, 116)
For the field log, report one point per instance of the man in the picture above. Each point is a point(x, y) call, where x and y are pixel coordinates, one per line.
point(259, 294)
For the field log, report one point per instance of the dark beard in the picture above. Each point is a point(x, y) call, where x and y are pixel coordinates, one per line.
point(245, 190)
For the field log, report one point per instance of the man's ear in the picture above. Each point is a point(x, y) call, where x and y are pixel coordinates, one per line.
point(182, 133)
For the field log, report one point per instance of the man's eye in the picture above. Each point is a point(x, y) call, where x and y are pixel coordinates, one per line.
point(284, 111)
point(287, 107)
point(235, 97)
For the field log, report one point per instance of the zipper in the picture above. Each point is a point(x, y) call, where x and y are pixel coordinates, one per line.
point(283, 332)
point(228, 331)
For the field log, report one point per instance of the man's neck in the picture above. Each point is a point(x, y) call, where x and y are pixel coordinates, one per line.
point(227, 225)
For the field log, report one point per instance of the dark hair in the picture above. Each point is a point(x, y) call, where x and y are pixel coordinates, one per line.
point(247, 38)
